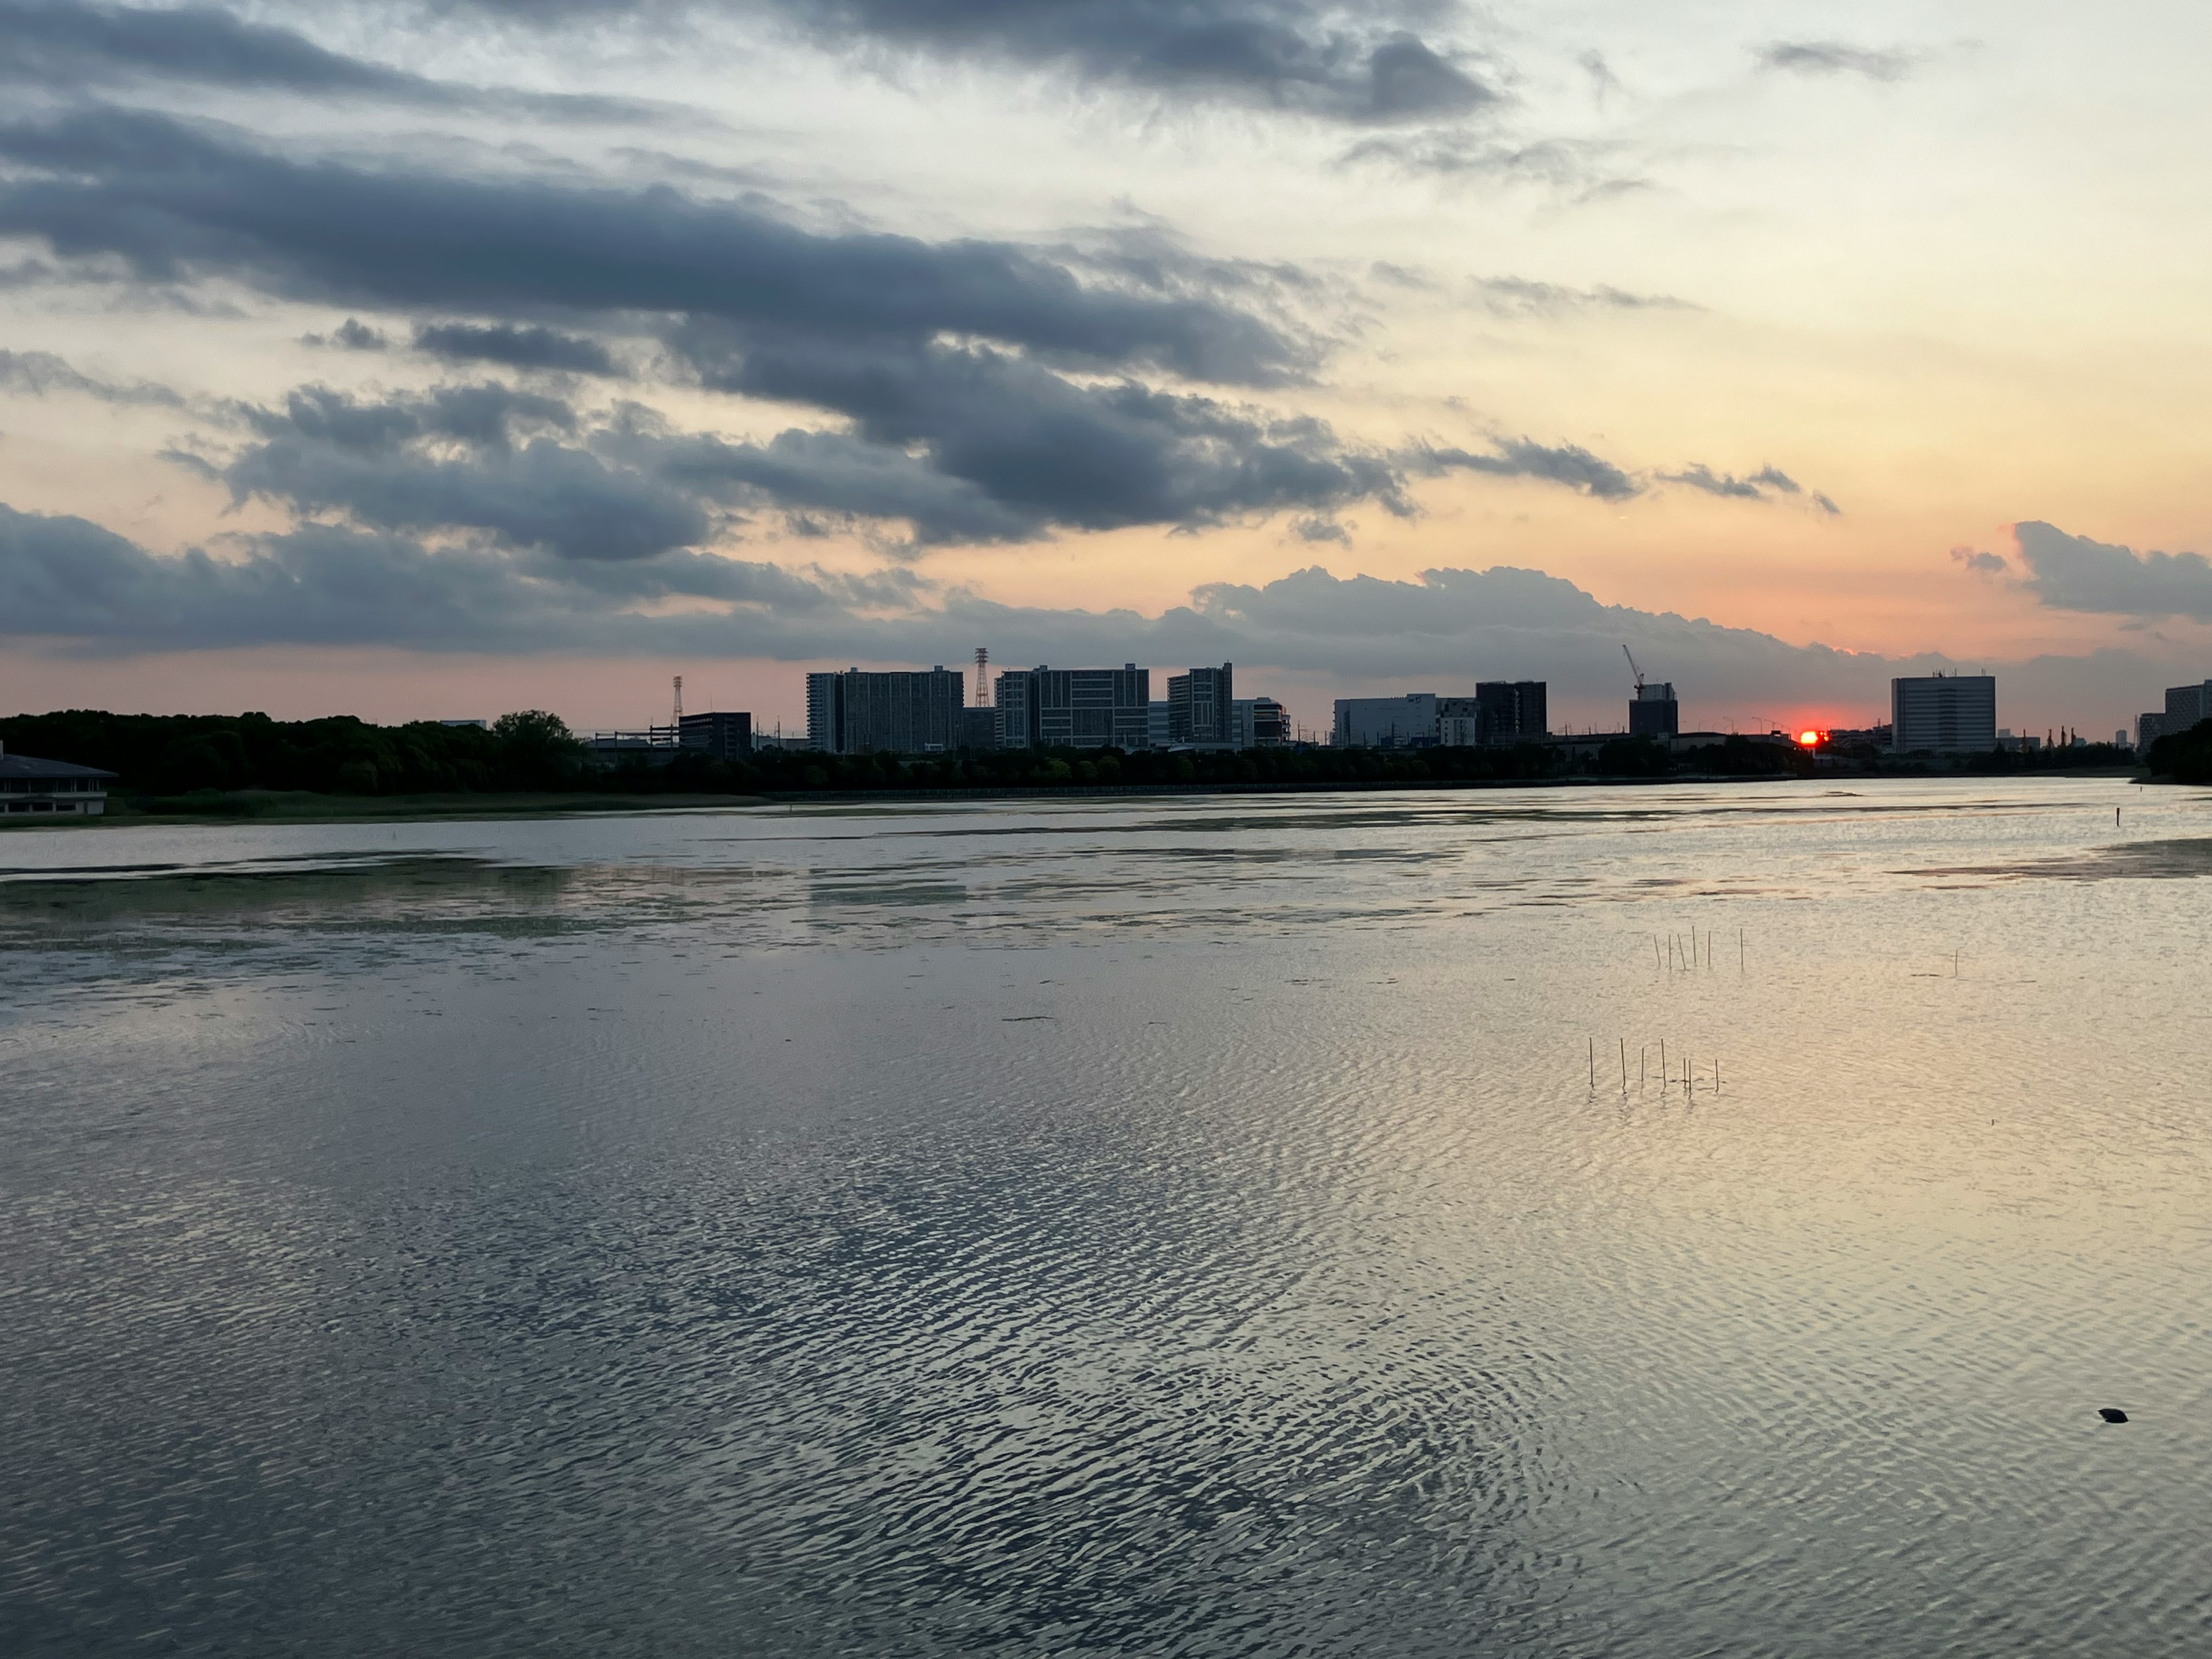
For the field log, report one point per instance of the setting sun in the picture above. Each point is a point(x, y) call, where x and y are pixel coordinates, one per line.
point(1809, 739)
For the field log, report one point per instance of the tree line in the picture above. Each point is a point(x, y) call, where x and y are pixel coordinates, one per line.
point(178, 755)
point(2184, 756)
point(171, 757)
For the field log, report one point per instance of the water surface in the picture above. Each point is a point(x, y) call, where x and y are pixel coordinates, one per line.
point(1206, 1226)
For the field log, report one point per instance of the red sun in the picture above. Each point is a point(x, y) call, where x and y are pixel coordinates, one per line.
point(1810, 739)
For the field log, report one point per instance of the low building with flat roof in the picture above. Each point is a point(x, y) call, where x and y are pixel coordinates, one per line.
point(29, 785)
point(725, 735)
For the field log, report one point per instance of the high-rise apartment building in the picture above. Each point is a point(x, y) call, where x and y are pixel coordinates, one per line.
point(979, 728)
point(1943, 714)
point(859, 712)
point(1075, 708)
point(1499, 712)
point(1198, 706)
point(1258, 723)
point(1654, 712)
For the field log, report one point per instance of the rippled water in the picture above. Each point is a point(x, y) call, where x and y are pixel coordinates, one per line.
point(1133, 1226)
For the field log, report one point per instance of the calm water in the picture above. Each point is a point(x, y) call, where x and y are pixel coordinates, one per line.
point(1138, 1227)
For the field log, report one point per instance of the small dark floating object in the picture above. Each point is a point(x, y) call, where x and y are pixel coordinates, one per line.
point(2112, 1413)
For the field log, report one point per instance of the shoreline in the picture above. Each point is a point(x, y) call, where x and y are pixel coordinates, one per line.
point(417, 809)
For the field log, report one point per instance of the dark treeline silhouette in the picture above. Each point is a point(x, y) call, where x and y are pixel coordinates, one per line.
point(163, 755)
point(2065, 757)
point(2184, 756)
point(185, 761)
point(170, 757)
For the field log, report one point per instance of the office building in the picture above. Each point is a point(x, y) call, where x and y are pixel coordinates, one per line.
point(1156, 724)
point(1513, 711)
point(1653, 712)
point(2185, 705)
point(1944, 714)
point(1499, 712)
point(1198, 706)
point(725, 736)
point(1258, 723)
point(29, 785)
point(1407, 722)
point(1075, 708)
point(858, 713)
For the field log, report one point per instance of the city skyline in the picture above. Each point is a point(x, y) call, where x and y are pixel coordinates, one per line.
point(413, 361)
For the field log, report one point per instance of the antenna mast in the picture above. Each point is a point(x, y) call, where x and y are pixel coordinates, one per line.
point(983, 685)
point(678, 720)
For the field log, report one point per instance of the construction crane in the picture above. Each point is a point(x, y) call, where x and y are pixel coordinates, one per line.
point(1632, 668)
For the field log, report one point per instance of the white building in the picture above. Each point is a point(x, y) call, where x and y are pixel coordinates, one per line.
point(1407, 722)
point(29, 785)
point(1258, 723)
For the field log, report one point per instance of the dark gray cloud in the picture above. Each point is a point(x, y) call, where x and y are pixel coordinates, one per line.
point(62, 45)
point(41, 372)
point(176, 200)
point(2072, 573)
point(516, 345)
point(72, 584)
point(988, 392)
point(1763, 485)
point(1321, 530)
point(1051, 451)
point(355, 335)
point(971, 447)
point(1522, 457)
point(1982, 563)
point(482, 458)
point(1836, 57)
point(1360, 64)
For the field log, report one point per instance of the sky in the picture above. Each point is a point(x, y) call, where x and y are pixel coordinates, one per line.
point(434, 360)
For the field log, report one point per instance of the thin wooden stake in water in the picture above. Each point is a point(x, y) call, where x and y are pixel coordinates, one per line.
point(1593, 1043)
point(1739, 950)
point(1663, 1059)
point(1624, 1066)
point(1643, 1055)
